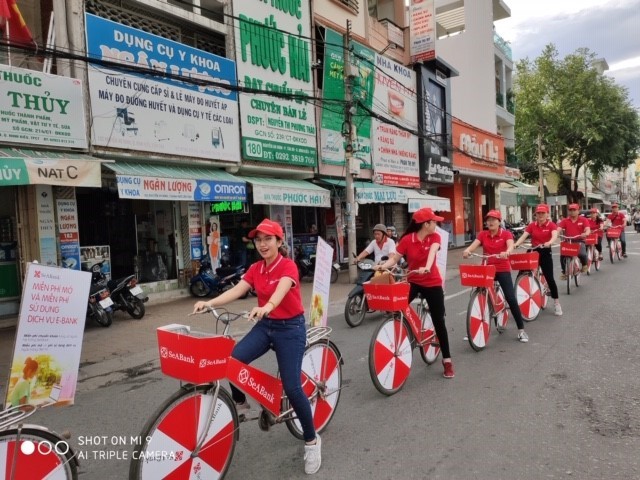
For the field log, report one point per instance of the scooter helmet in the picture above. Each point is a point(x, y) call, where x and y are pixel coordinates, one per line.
point(391, 229)
point(381, 228)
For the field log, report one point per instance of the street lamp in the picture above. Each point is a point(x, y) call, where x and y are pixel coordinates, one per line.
point(540, 168)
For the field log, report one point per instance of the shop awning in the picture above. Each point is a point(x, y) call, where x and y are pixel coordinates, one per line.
point(496, 177)
point(279, 191)
point(368, 192)
point(171, 182)
point(508, 198)
point(524, 188)
point(20, 166)
point(418, 200)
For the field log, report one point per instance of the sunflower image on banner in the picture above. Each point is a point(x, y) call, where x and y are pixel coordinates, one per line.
point(13, 26)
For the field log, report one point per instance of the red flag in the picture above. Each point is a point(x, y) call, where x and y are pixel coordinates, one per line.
point(18, 30)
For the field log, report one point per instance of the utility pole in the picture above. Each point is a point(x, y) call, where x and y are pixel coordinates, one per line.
point(348, 132)
point(540, 168)
point(586, 197)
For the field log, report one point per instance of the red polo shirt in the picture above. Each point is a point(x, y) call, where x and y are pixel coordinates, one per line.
point(617, 219)
point(574, 229)
point(594, 225)
point(265, 280)
point(495, 244)
point(540, 233)
point(416, 253)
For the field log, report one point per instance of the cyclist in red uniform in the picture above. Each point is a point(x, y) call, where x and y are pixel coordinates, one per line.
point(573, 226)
point(419, 245)
point(543, 233)
point(498, 241)
point(617, 219)
point(597, 226)
point(281, 326)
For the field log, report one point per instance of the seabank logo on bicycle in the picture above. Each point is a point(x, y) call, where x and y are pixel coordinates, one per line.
point(166, 353)
point(479, 276)
point(243, 376)
point(205, 362)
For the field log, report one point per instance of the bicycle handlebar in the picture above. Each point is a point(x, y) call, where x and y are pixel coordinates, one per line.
point(571, 238)
point(497, 255)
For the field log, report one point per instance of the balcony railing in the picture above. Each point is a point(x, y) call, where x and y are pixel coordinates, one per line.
point(503, 45)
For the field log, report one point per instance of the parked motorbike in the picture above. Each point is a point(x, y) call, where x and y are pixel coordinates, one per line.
point(516, 229)
point(128, 296)
point(100, 304)
point(206, 282)
point(356, 306)
point(307, 266)
point(636, 225)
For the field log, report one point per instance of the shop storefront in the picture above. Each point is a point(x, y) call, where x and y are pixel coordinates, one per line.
point(157, 219)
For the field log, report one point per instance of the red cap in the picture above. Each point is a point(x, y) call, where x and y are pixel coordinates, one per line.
point(425, 215)
point(268, 227)
point(574, 206)
point(594, 210)
point(614, 205)
point(494, 214)
point(542, 208)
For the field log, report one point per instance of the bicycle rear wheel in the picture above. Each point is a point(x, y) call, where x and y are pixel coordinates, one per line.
point(577, 267)
point(529, 296)
point(546, 293)
point(478, 320)
point(322, 363)
point(390, 356)
point(589, 258)
point(596, 259)
point(619, 249)
point(430, 351)
point(568, 262)
point(170, 436)
point(27, 453)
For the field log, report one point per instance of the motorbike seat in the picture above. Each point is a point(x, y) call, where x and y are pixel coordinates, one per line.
point(226, 271)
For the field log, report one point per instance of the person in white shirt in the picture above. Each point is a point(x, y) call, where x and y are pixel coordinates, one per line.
point(381, 246)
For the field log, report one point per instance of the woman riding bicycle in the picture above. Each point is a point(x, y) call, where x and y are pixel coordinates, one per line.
point(575, 226)
point(499, 241)
point(280, 326)
point(419, 245)
point(618, 220)
point(597, 226)
point(543, 233)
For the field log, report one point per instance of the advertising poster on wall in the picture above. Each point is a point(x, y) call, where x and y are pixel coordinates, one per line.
point(41, 109)
point(213, 241)
point(282, 215)
point(422, 24)
point(160, 113)
point(273, 51)
point(195, 230)
point(98, 257)
point(394, 149)
point(46, 225)
point(46, 356)
point(68, 233)
point(332, 140)
point(319, 310)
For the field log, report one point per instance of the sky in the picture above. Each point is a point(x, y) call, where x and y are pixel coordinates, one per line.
point(609, 28)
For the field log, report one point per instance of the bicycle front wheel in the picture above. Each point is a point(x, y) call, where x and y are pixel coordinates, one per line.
point(568, 269)
point(390, 356)
point(546, 293)
point(478, 320)
point(619, 249)
point(430, 350)
point(529, 296)
point(170, 437)
point(33, 453)
point(589, 259)
point(321, 369)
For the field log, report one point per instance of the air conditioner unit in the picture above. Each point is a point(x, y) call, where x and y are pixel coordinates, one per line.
point(354, 166)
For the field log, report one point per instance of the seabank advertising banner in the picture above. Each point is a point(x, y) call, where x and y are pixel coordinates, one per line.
point(155, 113)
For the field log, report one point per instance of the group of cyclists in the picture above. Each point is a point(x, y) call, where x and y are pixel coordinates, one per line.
point(279, 315)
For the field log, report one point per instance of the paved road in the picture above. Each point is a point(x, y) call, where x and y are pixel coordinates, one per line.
point(565, 405)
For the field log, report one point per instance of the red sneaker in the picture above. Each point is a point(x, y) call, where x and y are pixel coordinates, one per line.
point(448, 370)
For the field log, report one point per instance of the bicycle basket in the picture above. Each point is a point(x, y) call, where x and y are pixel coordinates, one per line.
point(191, 356)
point(591, 239)
point(388, 297)
point(569, 249)
point(614, 232)
point(524, 261)
point(477, 275)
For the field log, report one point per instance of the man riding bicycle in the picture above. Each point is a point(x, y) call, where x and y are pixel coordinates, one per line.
point(617, 219)
point(575, 226)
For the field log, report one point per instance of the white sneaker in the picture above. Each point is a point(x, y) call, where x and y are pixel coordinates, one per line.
point(523, 337)
point(312, 457)
point(558, 310)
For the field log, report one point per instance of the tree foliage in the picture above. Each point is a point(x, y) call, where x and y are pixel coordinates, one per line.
point(583, 119)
